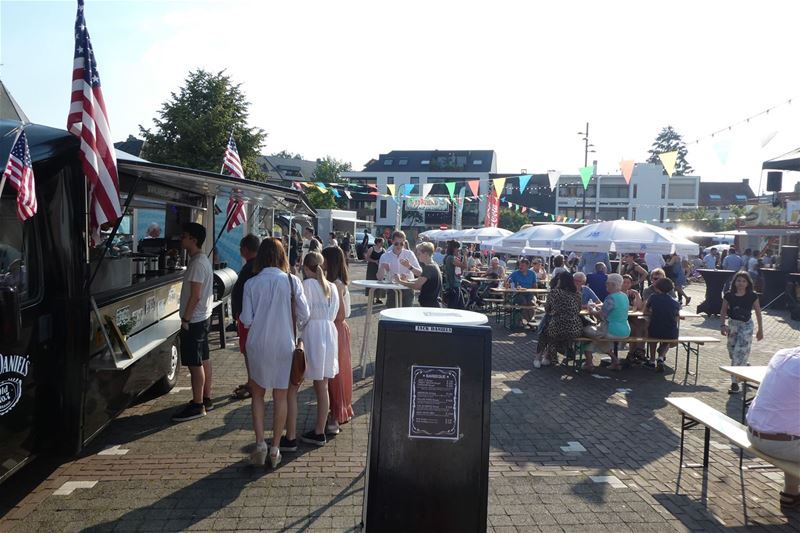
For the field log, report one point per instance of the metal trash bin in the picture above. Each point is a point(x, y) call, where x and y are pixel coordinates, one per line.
point(428, 455)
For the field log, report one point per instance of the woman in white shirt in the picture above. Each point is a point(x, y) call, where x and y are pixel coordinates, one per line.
point(267, 314)
point(340, 388)
point(321, 344)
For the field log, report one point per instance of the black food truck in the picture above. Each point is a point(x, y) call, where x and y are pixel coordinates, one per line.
point(74, 354)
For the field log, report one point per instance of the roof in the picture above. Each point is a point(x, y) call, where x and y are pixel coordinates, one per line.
point(9, 108)
point(724, 193)
point(44, 142)
point(290, 169)
point(434, 161)
point(787, 161)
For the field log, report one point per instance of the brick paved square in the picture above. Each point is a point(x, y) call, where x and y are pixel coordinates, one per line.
point(194, 476)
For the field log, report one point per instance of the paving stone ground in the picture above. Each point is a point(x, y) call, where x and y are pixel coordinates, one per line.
point(569, 452)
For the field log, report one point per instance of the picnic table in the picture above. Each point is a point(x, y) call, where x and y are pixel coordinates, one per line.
point(510, 310)
point(715, 281)
point(749, 376)
point(683, 314)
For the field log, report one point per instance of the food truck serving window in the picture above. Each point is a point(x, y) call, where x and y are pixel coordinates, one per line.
point(18, 260)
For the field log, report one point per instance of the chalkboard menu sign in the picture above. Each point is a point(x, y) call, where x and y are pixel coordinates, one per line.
point(434, 402)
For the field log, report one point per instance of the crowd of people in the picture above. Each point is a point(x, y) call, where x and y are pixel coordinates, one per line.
point(276, 313)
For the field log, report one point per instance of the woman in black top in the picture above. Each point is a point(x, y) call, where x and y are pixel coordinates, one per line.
point(429, 278)
point(373, 257)
point(738, 304)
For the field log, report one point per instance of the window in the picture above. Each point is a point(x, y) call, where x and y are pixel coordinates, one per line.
point(663, 191)
point(635, 191)
point(382, 213)
point(425, 162)
point(681, 191)
point(714, 197)
point(402, 162)
point(388, 162)
point(18, 258)
point(414, 181)
point(477, 162)
point(390, 180)
point(741, 198)
point(613, 191)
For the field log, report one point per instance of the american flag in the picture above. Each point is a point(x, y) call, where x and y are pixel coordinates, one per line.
point(232, 163)
point(19, 173)
point(89, 121)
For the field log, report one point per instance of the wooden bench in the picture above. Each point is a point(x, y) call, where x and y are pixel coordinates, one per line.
point(509, 312)
point(695, 412)
point(690, 343)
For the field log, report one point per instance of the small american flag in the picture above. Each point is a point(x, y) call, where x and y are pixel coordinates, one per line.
point(232, 163)
point(88, 120)
point(19, 173)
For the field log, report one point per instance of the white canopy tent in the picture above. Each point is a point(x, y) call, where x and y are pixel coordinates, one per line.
point(626, 236)
point(544, 236)
point(500, 246)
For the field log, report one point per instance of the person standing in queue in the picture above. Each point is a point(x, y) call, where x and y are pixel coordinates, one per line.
point(429, 280)
point(340, 388)
point(248, 248)
point(451, 280)
point(195, 312)
point(267, 313)
point(397, 260)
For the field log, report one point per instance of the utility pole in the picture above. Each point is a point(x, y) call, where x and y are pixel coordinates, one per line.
point(586, 153)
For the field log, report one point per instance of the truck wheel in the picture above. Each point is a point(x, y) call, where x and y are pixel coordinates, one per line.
point(165, 384)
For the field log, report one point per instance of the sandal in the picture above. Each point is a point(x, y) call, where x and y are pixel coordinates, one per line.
point(587, 368)
point(790, 500)
point(242, 392)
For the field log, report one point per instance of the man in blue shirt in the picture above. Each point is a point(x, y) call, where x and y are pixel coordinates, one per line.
point(587, 294)
point(733, 261)
point(597, 281)
point(524, 278)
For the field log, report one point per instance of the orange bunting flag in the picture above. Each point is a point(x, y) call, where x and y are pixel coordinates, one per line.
point(473, 186)
point(626, 165)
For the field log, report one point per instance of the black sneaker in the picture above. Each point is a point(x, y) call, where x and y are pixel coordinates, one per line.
point(734, 388)
point(660, 366)
point(649, 364)
point(208, 403)
point(310, 437)
point(190, 412)
point(288, 445)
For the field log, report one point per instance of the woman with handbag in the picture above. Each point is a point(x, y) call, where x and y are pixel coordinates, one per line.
point(267, 313)
point(321, 344)
point(340, 388)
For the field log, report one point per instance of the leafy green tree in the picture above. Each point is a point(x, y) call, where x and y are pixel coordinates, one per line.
point(702, 219)
point(512, 220)
point(669, 141)
point(285, 154)
point(329, 170)
point(321, 200)
point(193, 126)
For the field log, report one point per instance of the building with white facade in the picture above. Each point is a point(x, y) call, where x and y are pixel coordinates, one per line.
point(651, 196)
point(418, 168)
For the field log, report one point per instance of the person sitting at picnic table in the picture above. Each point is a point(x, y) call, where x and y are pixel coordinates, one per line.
point(562, 321)
point(541, 273)
point(614, 316)
point(636, 350)
point(524, 278)
point(773, 423)
point(429, 282)
point(558, 265)
point(656, 275)
point(597, 280)
point(496, 270)
point(474, 261)
point(633, 269)
point(587, 294)
point(664, 313)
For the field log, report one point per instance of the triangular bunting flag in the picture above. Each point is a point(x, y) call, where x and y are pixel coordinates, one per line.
point(499, 183)
point(349, 196)
point(668, 159)
point(626, 166)
point(321, 186)
point(524, 208)
point(426, 189)
point(523, 182)
point(473, 186)
point(451, 188)
point(552, 177)
point(391, 187)
point(335, 193)
point(586, 176)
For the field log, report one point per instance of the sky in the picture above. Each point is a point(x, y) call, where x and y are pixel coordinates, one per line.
point(359, 78)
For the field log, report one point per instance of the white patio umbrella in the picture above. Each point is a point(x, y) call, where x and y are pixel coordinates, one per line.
point(500, 246)
point(719, 247)
point(487, 234)
point(625, 236)
point(544, 236)
point(430, 235)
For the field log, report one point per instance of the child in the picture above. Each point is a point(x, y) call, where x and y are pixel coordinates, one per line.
point(738, 304)
point(664, 312)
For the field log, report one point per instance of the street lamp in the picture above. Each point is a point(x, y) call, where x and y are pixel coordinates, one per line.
point(586, 153)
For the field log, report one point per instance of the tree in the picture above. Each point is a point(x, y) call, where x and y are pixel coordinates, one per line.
point(285, 154)
point(512, 220)
point(329, 170)
point(703, 220)
point(669, 141)
point(193, 126)
point(321, 200)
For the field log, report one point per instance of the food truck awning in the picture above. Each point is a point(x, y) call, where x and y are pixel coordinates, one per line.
point(259, 193)
point(787, 161)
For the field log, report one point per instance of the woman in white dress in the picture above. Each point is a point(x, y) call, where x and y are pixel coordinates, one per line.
point(320, 341)
point(267, 313)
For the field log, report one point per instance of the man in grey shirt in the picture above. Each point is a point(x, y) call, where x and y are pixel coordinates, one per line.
point(195, 311)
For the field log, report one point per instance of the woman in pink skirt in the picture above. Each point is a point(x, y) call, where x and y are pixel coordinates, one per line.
point(340, 388)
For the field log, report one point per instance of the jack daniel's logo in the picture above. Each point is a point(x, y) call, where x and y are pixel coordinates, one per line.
point(13, 368)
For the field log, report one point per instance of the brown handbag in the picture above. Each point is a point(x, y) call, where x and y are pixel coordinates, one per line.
point(298, 355)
